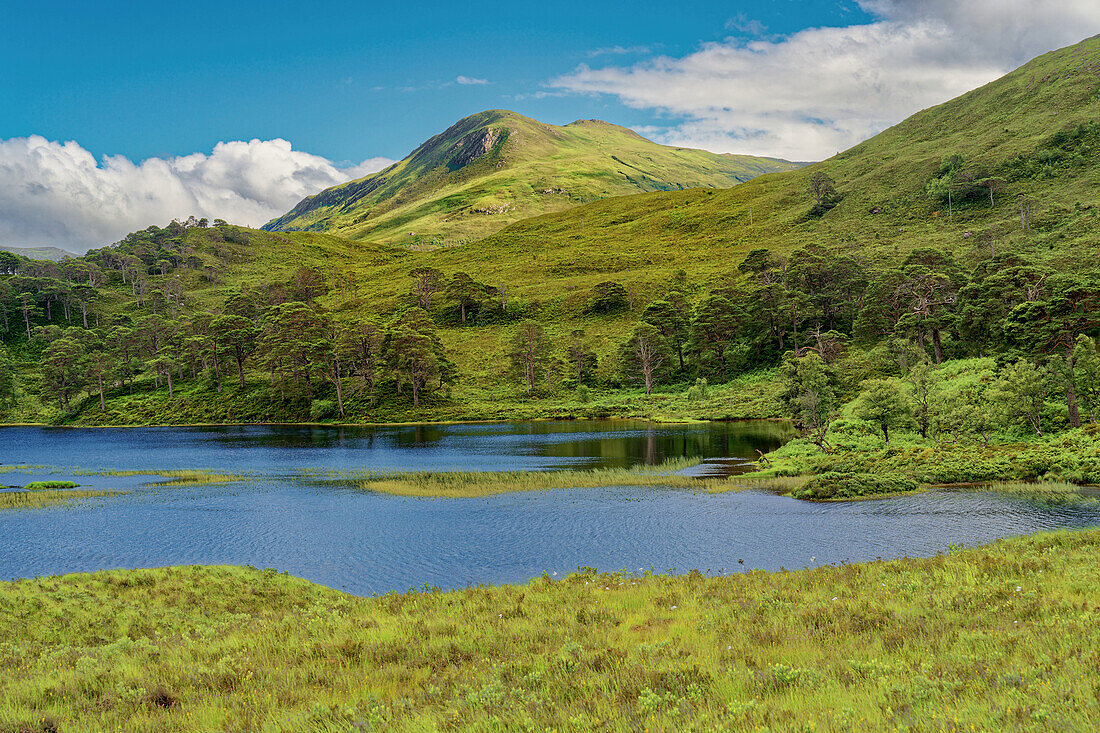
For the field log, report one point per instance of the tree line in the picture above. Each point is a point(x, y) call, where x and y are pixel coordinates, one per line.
point(765, 310)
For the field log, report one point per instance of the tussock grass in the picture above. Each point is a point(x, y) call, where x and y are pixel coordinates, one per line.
point(995, 638)
point(467, 484)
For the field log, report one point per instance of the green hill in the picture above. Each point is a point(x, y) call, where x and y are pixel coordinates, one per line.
point(496, 167)
point(1034, 129)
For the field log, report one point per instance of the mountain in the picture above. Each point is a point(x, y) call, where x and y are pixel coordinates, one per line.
point(39, 253)
point(1033, 134)
point(497, 167)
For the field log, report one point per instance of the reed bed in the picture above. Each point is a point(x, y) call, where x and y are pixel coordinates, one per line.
point(470, 484)
point(47, 497)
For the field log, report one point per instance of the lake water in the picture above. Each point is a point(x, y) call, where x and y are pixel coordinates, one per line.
point(279, 515)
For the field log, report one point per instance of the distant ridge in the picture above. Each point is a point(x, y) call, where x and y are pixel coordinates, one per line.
point(496, 167)
point(39, 253)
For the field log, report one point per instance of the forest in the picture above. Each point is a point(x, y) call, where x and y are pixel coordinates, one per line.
point(831, 326)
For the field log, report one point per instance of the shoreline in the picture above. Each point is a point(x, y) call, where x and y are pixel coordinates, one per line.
point(413, 423)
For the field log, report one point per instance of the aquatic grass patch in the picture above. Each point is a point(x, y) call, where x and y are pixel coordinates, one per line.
point(1001, 637)
point(1048, 492)
point(468, 484)
point(775, 484)
point(174, 477)
point(47, 497)
point(20, 467)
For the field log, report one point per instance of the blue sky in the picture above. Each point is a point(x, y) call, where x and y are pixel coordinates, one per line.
point(345, 80)
point(118, 115)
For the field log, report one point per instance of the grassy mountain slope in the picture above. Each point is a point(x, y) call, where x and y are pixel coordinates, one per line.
point(885, 209)
point(496, 167)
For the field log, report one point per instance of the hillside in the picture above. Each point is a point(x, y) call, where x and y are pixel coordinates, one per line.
point(497, 167)
point(1033, 129)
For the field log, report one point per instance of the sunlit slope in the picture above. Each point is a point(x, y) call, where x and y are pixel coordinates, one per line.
point(1008, 129)
point(550, 263)
point(497, 167)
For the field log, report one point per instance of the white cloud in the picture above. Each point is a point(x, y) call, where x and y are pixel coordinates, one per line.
point(469, 80)
point(617, 51)
point(58, 194)
point(821, 90)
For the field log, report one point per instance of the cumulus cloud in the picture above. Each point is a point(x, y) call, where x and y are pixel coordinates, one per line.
point(470, 80)
point(821, 90)
point(58, 194)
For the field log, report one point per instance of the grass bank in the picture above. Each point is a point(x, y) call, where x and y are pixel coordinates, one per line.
point(992, 638)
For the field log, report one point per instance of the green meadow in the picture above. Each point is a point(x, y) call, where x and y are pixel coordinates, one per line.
point(1002, 637)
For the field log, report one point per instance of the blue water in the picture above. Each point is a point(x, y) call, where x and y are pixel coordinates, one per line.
point(368, 543)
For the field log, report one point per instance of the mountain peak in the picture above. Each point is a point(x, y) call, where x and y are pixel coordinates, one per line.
point(494, 167)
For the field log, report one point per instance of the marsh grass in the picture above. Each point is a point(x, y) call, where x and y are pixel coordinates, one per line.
point(174, 477)
point(1048, 492)
point(468, 484)
point(994, 638)
point(20, 467)
point(775, 484)
point(47, 497)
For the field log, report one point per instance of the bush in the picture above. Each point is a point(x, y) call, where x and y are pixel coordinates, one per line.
point(607, 297)
point(582, 394)
point(33, 485)
point(698, 391)
point(835, 485)
point(321, 409)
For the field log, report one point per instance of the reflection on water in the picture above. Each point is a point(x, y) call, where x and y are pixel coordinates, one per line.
point(485, 447)
point(369, 543)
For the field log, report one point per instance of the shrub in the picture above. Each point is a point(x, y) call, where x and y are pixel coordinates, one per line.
point(33, 485)
point(698, 391)
point(835, 485)
point(321, 409)
point(607, 297)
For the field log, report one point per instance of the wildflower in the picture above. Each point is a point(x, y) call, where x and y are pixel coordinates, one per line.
point(1018, 589)
point(672, 608)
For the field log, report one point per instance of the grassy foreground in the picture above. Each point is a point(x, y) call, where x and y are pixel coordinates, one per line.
point(1003, 637)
